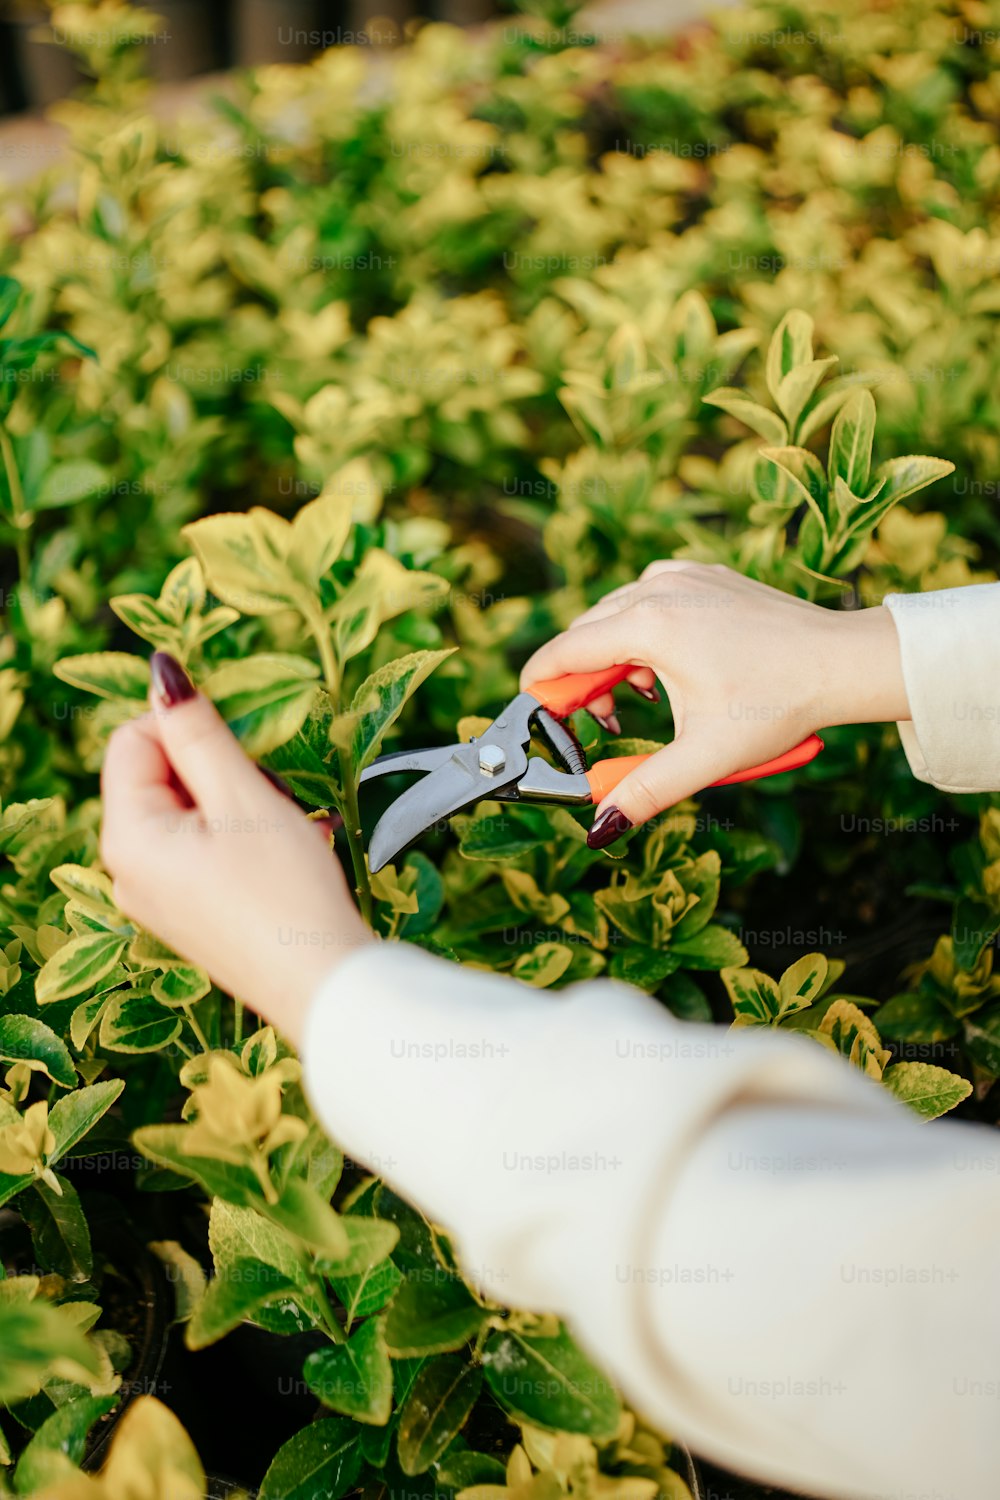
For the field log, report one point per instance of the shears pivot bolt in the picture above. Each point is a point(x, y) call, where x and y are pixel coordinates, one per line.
point(492, 760)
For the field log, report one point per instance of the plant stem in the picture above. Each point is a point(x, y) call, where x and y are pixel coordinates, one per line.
point(17, 504)
point(349, 810)
point(352, 827)
point(237, 1022)
point(196, 1028)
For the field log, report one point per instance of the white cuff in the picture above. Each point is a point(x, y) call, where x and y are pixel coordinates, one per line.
point(949, 642)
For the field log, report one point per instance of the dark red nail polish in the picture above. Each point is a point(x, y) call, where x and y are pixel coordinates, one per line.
point(609, 826)
point(649, 693)
point(608, 722)
point(170, 683)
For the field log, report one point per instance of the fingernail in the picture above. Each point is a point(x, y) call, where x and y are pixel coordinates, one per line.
point(169, 681)
point(609, 826)
point(649, 693)
point(608, 722)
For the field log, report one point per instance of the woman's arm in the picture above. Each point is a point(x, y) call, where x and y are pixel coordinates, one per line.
point(774, 1258)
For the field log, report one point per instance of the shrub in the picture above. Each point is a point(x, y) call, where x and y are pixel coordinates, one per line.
point(344, 402)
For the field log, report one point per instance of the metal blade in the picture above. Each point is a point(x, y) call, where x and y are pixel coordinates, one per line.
point(441, 794)
point(398, 761)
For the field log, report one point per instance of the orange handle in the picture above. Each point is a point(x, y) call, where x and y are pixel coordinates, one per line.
point(606, 774)
point(564, 695)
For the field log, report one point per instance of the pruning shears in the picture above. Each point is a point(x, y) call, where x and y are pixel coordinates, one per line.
point(498, 764)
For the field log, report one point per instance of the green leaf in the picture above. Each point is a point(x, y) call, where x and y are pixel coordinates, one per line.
point(755, 996)
point(712, 948)
point(550, 1383)
point(90, 890)
point(915, 1017)
point(239, 1234)
point(323, 1459)
point(851, 442)
point(78, 965)
point(973, 925)
point(798, 386)
point(10, 292)
point(432, 1313)
point(368, 1292)
point(381, 698)
point(544, 964)
point(440, 1399)
point(23, 1039)
point(462, 1469)
point(646, 968)
point(806, 474)
point(369, 1241)
point(38, 1341)
point(244, 559)
point(75, 1115)
point(265, 699)
point(738, 404)
point(802, 983)
point(319, 532)
point(181, 984)
point(59, 1230)
point(56, 1449)
point(790, 346)
point(109, 674)
point(300, 1209)
point(495, 835)
point(135, 1022)
point(355, 1377)
point(236, 1291)
point(929, 1090)
point(68, 482)
point(905, 476)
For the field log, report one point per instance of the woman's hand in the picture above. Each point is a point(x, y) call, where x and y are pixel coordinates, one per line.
point(749, 672)
point(206, 853)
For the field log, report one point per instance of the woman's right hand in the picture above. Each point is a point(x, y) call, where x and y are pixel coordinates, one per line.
point(749, 672)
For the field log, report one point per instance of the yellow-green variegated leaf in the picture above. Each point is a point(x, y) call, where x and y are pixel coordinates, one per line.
point(152, 1455)
point(379, 700)
point(319, 532)
point(244, 558)
point(89, 890)
point(109, 674)
point(759, 418)
point(755, 996)
point(144, 618)
point(135, 1022)
point(803, 983)
point(78, 965)
point(791, 345)
point(851, 442)
point(544, 964)
point(23, 1039)
point(265, 699)
point(181, 984)
point(929, 1090)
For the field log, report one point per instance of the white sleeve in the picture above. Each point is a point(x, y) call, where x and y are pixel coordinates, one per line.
point(949, 640)
point(774, 1259)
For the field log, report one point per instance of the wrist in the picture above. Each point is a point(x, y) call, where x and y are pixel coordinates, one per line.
point(864, 669)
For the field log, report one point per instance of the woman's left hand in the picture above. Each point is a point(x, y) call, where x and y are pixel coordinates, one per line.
point(207, 854)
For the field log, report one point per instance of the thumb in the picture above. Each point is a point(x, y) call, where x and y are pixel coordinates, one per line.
point(686, 766)
point(205, 755)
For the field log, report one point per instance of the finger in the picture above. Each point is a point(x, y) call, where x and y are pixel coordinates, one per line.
point(686, 766)
point(586, 648)
point(197, 742)
point(137, 784)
